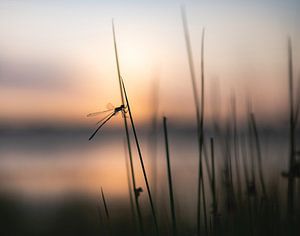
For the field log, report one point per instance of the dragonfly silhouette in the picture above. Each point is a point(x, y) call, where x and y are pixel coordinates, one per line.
point(112, 111)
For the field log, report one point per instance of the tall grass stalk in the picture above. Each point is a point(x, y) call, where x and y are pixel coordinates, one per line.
point(153, 135)
point(141, 159)
point(291, 179)
point(251, 153)
point(139, 214)
point(258, 149)
point(172, 205)
point(213, 184)
point(106, 213)
point(199, 118)
point(244, 159)
point(129, 185)
point(101, 221)
point(231, 199)
point(235, 148)
point(205, 154)
point(297, 106)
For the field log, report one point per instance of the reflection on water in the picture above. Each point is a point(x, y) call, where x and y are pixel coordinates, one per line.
point(58, 163)
point(54, 164)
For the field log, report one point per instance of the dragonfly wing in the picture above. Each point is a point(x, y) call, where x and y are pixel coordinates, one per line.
point(98, 113)
point(103, 119)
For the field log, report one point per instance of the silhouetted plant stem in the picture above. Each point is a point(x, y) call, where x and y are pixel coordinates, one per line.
point(202, 130)
point(209, 174)
point(244, 161)
point(213, 183)
point(297, 109)
point(141, 159)
point(257, 144)
point(291, 180)
point(231, 200)
point(101, 223)
point(153, 136)
point(247, 181)
point(129, 185)
point(140, 222)
point(106, 212)
point(172, 205)
point(252, 185)
point(199, 117)
point(235, 148)
point(204, 207)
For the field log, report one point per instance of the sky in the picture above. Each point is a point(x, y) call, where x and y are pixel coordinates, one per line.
point(57, 58)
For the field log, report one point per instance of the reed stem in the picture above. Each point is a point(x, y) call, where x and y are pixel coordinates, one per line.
point(106, 212)
point(257, 144)
point(213, 183)
point(199, 117)
point(139, 214)
point(291, 179)
point(141, 160)
point(172, 205)
point(129, 185)
point(235, 147)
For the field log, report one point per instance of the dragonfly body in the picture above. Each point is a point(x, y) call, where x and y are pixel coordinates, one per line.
point(120, 108)
point(113, 111)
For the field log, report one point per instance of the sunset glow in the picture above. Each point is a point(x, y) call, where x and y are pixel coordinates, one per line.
point(244, 58)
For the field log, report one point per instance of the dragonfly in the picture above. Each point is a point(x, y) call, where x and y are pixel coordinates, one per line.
point(111, 110)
